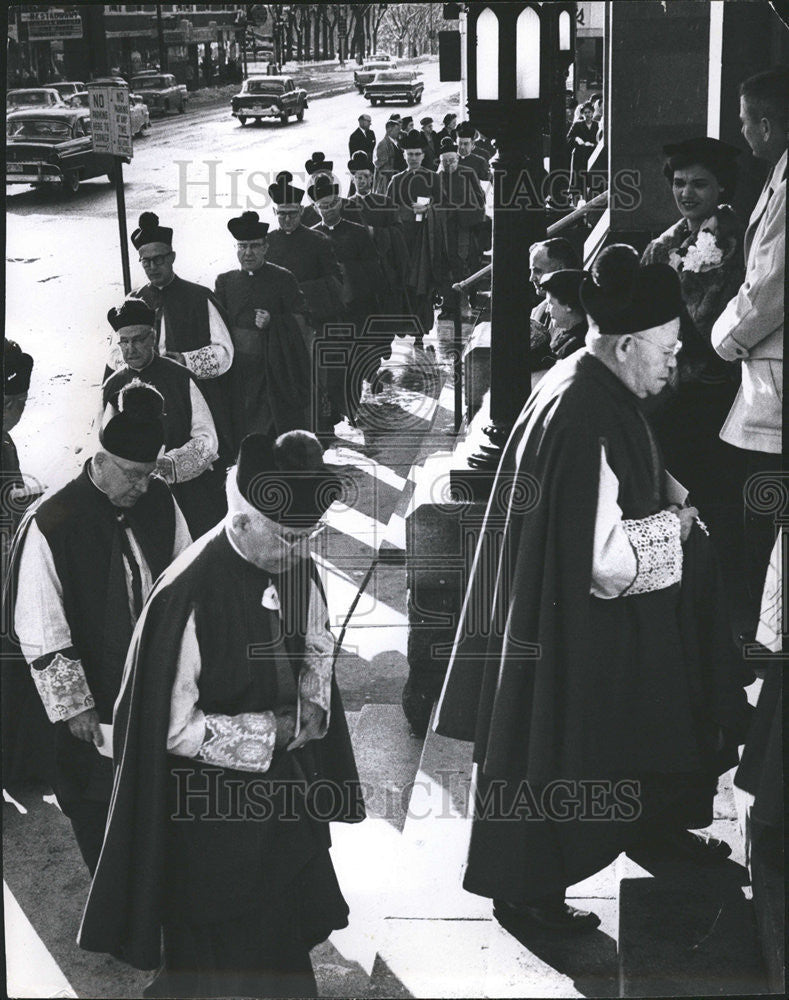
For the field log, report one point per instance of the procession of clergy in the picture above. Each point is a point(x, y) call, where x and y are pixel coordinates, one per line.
point(176, 627)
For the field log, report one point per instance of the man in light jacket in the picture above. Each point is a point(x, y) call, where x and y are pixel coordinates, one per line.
point(751, 327)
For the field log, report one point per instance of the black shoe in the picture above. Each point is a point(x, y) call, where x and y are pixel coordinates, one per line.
point(688, 845)
point(558, 916)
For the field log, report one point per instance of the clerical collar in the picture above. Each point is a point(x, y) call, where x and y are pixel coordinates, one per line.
point(89, 470)
point(161, 288)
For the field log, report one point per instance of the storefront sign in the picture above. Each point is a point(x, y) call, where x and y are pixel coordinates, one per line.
point(46, 26)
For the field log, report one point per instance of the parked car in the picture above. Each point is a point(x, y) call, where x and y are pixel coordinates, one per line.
point(383, 57)
point(34, 97)
point(366, 74)
point(160, 92)
point(138, 110)
point(53, 146)
point(68, 89)
point(400, 85)
point(269, 97)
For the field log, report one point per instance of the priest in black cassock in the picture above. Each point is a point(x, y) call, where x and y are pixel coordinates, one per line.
point(416, 192)
point(463, 206)
point(362, 284)
point(316, 166)
point(270, 381)
point(603, 657)
point(232, 752)
point(190, 439)
point(84, 561)
point(466, 140)
point(312, 260)
point(26, 732)
point(190, 325)
point(381, 217)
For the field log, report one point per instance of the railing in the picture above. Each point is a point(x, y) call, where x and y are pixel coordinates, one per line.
point(599, 201)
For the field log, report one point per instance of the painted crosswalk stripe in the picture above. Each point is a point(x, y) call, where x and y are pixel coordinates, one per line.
point(31, 971)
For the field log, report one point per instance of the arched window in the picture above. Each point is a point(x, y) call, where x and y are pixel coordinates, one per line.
point(564, 31)
point(487, 56)
point(527, 54)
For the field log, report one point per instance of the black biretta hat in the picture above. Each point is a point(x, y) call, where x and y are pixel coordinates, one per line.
point(131, 312)
point(448, 145)
point(286, 478)
point(149, 231)
point(318, 162)
point(135, 430)
point(17, 369)
point(414, 140)
point(360, 161)
point(622, 297)
point(718, 157)
point(283, 192)
point(322, 187)
point(247, 226)
point(466, 130)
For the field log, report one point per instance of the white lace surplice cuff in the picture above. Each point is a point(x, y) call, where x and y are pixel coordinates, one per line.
point(62, 686)
point(203, 363)
point(243, 742)
point(191, 459)
point(658, 548)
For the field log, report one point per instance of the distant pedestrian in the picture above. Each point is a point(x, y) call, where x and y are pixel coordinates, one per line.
point(389, 159)
point(363, 137)
point(270, 381)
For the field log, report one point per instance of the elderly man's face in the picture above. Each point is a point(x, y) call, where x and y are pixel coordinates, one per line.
point(647, 358)
point(268, 545)
point(123, 481)
point(288, 217)
point(330, 209)
point(413, 158)
point(449, 162)
point(363, 179)
point(252, 253)
point(137, 344)
point(465, 146)
point(365, 122)
point(157, 261)
point(752, 130)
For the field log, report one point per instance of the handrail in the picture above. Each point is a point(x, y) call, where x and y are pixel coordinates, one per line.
point(555, 227)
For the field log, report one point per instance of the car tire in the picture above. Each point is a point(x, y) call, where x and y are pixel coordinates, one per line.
point(284, 118)
point(374, 101)
point(166, 106)
point(70, 182)
point(182, 108)
point(242, 119)
point(300, 115)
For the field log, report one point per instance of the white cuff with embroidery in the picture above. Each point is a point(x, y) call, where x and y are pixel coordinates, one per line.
point(62, 687)
point(203, 363)
point(190, 460)
point(243, 742)
point(658, 547)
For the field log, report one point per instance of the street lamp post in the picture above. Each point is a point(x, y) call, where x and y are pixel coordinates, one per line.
point(509, 81)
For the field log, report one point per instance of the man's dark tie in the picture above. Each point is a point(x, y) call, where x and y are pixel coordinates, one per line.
point(134, 566)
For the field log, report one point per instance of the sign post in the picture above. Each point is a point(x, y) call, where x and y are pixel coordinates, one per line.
point(110, 122)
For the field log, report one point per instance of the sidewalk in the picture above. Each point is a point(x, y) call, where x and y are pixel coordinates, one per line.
point(319, 79)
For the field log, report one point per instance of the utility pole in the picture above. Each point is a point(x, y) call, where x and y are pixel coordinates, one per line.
point(160, 34)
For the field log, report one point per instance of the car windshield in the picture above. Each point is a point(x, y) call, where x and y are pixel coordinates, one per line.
point(393, 78)
point(374, 66)
point(38, 128)
point(263, 87)
point(150, 82)
point(16, 98)
point(83, 99)
point(65, 89)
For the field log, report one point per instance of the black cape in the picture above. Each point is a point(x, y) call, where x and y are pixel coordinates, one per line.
point(552, 683)
point(127, 901)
